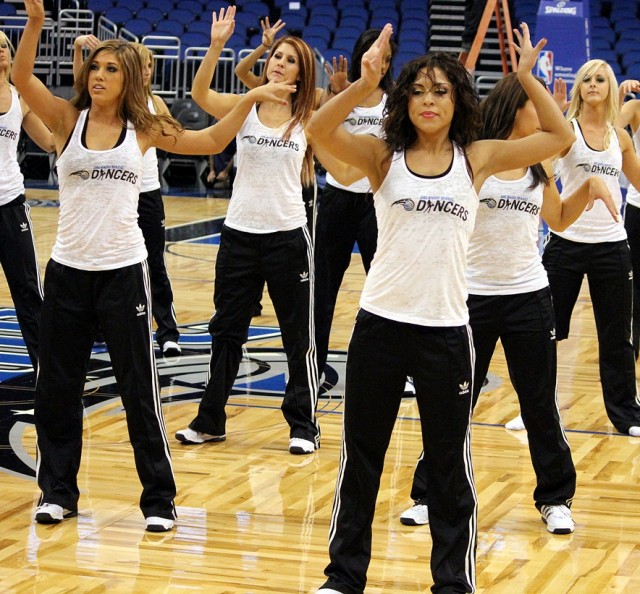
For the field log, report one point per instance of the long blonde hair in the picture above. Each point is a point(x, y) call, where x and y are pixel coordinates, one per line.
point(612, 108)
point(5, 39)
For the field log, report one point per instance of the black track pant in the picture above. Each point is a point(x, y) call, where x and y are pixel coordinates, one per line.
point(151, 222)
point(632, 225)
point(20, 265)
point(382, 353)
point(525, 325)
point(343, 219)
point(76, 303)
point(245, 262)
point(608, 269)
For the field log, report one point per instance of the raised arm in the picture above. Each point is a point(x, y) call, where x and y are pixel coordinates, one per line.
point(492, 156)
point(244, 69)
point(80, 42)
point(630, 115)
point(56, 113)
point(215, 138)
point(338, 81)
point(341, 172)
point(217, 104)
point(559, 213)
point(363, 151)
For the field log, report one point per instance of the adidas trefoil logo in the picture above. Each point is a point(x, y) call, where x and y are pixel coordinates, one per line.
point(140, 308)
point(24, 227)
point(304, 277)
point(552, 334)
point(464, 388)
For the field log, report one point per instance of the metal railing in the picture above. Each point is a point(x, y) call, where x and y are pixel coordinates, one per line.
point(72, 23)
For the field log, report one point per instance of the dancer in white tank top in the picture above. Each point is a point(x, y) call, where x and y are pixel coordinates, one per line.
point(413, 320)
point(596, 246)
point(97, 275)
point(17, 245)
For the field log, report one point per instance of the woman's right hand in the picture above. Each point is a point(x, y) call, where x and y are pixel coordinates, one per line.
point(268, 32)
point(372, 58)
point(88, 41)
point(273, 91)
point(35, 9)
point(223, 25)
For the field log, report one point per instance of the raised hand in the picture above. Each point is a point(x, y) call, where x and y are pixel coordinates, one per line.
point(337, 74)
point(269, 32)
point(528, 53)
point(89, 42)
point(35, 9)
point(560, 94)
point(223, 25)
point(598, 191)
point(372, 58)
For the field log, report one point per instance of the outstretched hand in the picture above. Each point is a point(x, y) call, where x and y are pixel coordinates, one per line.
point(275, 92)
point(528, 53)
point(560, 94)
point(598, 191)
point(35, 9)
point(223, 25)
point(89, 42)
point(372, 58)
point(337, 74)
point(269, 32)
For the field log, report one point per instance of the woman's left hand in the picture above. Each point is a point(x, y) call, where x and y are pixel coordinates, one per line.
point(528, 53)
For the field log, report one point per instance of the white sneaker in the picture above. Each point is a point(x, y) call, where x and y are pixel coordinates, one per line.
point(157, 524)
point(171, 349)
point(557, 518)
point(418, 515)
point(516, 424)
point(50, 513)
point(328, 591)
point(409, 388)
point(189, 436)
point(299, 446)
point(634, 431)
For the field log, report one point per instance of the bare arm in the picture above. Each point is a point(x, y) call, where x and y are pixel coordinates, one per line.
point(363, 151)
point(215, 138)
point(82, 41)
point(217, 104)
point(337, 79)
point(56, 113)
point(630, 115)
point(560, 213)
point(492, 156)
point(341, 172)
point(244, 69)
point(36, 129)
point(630, 161)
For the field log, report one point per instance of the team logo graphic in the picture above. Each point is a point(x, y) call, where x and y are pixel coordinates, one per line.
point(83, 174)
point(262, 374)
point(250, 139)
point(490, 202)
point(351, 121)
point(406, 203)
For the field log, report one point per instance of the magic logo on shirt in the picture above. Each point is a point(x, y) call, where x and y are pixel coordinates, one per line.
point(434, 204)
point(107, 172)
point(271, 142)
point(508, 202)
point(8, 133)
point(600, 169)
point(364, 121)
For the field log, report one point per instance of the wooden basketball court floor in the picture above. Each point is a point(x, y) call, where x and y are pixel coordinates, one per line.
point(253, 518)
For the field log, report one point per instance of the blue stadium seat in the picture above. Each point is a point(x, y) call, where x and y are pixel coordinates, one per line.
point(119, 15)
point(351, 20)
point(194, 40)
point(192, 5)
point(318, 32)
point(247, 20)
point(600, 43)
point(139, 27)
point(623, 46)
point(302, 11)
point(604, 33)
point(171, 28)
point(199, 27)
point(377, 22)
point(295, 22)
point(181, 16)
point(630, 58)
point(7, 10)
point(153, 15)
point(318, 43)
point(351, 10)
point(99, 6)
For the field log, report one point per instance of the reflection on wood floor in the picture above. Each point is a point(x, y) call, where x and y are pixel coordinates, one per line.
point(253, 518)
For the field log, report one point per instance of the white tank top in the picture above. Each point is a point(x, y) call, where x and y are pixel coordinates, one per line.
point(580, 163)
point(98, 220)
point(362, 120)
point(424, 223)
point(267, 191)
point(633, 196)
point(503, 256)
point(11, 179)
point(150, 175)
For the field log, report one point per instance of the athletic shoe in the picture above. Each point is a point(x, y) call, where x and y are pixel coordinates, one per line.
point(299, 446)
point(409, 389)
point(50, 513)
point(190, 436)
point(634, 431)
point(415, 516)
point(516, 424)
point(328, 591)
point(557, 518)
point(157, 524)
point(171, 349)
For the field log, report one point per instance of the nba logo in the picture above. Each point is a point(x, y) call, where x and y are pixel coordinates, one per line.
point(545, 66)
